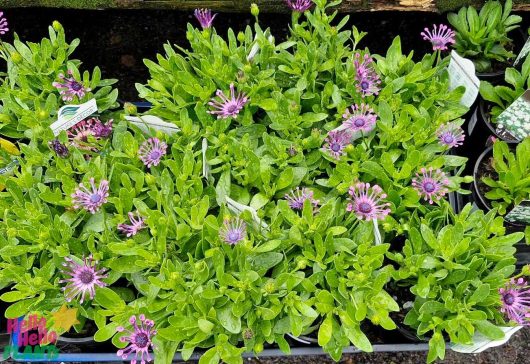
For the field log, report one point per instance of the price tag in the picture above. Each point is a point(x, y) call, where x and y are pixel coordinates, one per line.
point(146, 122)
point(10, 167)
point(515, 120)
point(524, 52)
point(520, 213)
point(481, 342)
point(462, 73)
point(69, 115)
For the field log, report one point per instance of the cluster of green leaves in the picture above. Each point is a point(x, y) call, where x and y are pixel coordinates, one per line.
point(483, 36)
point(509, 184)
point(503, 96)
point(29, 100)
point(455, 271)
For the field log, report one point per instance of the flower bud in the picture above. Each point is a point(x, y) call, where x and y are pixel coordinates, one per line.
point(525, 271)
point(57, 26)
point(248, 334)
point(241, 37)
point(16, 57)
point(130, 109)
point(254, 9)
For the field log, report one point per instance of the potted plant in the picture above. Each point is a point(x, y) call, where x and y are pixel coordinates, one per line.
point(455, 273)
point(484, 37)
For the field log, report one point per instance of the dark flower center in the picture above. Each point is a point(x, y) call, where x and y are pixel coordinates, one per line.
point(76, 86)
point(336, 147)
point(95, 198)
point(429, 187)
point(233, 236)
point(231, 109)
point(86, 277)
point(365, 207)
point(365, 85)
point(141, 340)
point(448, 139)
point(155, 154)
point(438, 42)
point(509, 299)
point(359, 122)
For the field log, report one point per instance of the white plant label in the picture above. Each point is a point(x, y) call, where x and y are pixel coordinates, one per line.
point(146, 122)
point(10, 167)
point(238, 208)
point(523, 53)
point(462, 73)
point(481, 343)
point(515, 120)
point(377, 233)
point(69, 115)
point(255, 48)
point(205, 165)
point(520, 213)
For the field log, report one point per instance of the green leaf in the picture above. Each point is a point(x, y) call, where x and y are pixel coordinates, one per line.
point(106, 332)
point(228, 320)
point(480, 294)
point(488, 329)
point(211, 356)
point(205, 325)
point(107, 298)
point(325, 331)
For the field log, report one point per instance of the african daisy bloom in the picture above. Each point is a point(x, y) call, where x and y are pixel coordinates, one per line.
point(59, 148)
point(70, 88)
point(140, 339)
point(3, 24)
point(367, 202)
point(431, 184)
point(137, 224)
point(515, 298)
point(83, 278)
point(205, 17)
point(450, 135)
point(151, 152)
point(228, 107)
point(233, 231)
point(299, 5)
point(91, 199)
point(297, 197)
point(440, 36)
point(361, 118)
point(336, 141)
point(79, 133)
point(367, 79)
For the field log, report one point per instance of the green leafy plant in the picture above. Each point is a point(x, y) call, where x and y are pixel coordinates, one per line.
point(483, 36)
point(502, 96)
point(507, 178)
point(455, 272)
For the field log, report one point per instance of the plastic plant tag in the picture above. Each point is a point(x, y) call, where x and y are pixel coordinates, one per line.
point(462, 73)
point(145, 122)
point(238, 208)
point(69, 115)
point(377, 233)
point(10, 167)
point(515, 120)
point(523, 53)
point(255, 48)
point(205, 165)
point(520, 213)
point(481, 342)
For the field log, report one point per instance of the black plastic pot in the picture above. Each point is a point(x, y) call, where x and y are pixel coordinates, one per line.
point(480, 200)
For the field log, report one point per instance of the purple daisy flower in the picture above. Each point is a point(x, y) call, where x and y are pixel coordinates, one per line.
point(450, 135)
point(367, 79)
point(299, 5)
point(205, 17)
point(336, 141)
point(227, 107)
point(361, 118)
point(91, 200)
point(151, 151)
point(367, 202)
point(440, 36)
point(140, 339)
point(84, 278)
point(59, 148)
point(431, 184)
point(79, 133)
point(297, 197)
point(3, 24)
point(233, 230)
point(137, 224)
point(69, 87)
point(515, 298)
